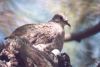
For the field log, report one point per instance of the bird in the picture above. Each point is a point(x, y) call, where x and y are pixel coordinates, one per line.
point(44, 36)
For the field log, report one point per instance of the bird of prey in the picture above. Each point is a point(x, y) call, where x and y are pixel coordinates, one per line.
point(44, 36)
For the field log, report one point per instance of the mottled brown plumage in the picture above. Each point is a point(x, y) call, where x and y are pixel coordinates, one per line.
point(44, 36)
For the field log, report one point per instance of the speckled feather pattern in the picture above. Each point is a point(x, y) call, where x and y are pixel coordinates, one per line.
point(50, 34)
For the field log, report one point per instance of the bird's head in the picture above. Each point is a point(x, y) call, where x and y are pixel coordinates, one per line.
point(59, 19)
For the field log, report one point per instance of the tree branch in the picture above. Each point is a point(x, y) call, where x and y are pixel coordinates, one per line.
point(18, 52)
point(81, 35)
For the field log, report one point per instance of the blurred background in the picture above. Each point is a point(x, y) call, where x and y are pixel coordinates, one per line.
point(81, 14)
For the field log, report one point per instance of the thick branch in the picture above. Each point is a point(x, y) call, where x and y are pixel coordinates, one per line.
point(81, 35)
point(18, 52)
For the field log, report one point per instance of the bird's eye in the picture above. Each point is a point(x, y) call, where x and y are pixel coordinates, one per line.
point(61, 18)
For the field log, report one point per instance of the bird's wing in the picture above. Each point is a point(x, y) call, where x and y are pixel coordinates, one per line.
point(35, 33)
point(23, 30)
